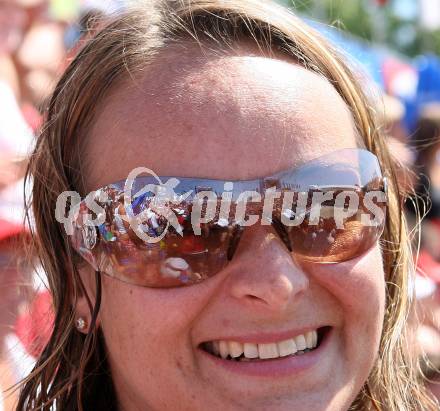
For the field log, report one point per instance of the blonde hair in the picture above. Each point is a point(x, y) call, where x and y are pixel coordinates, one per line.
point(121, 47)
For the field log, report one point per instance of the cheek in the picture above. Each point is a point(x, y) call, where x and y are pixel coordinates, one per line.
point(358, 286)
point(148, 329)
point(135, 317)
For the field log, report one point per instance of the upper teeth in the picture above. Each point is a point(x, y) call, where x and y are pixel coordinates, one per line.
point(265, 351)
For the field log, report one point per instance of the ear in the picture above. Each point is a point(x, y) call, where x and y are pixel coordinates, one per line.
point(88, 290)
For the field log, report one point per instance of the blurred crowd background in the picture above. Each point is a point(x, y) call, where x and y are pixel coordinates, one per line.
point(394, 45)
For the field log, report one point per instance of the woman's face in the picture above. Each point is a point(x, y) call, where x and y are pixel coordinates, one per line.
point(235, 116)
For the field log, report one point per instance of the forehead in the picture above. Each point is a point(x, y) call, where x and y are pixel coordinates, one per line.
point(234, 116)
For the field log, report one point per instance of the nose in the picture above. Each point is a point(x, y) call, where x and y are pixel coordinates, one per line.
point(262, 273)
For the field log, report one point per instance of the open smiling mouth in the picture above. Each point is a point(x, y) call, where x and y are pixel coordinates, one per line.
point(247, 352)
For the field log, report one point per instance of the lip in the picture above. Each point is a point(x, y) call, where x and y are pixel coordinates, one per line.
point(278, 367)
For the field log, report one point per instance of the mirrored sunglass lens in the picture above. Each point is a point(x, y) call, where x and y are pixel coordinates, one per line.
point(340, 231)
point(178, 258)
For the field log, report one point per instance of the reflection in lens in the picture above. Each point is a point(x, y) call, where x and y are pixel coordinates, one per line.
point(174, 267)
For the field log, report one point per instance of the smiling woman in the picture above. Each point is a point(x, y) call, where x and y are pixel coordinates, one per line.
point(234, 317)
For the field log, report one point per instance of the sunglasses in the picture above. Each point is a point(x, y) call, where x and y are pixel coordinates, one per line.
point(186, 230)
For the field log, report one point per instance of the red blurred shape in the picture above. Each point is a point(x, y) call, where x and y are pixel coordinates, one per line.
point(35, 327)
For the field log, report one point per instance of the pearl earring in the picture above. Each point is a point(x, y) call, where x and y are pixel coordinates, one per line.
point(81, 324)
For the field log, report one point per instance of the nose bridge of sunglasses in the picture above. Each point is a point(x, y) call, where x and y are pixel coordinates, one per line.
point(257, 237)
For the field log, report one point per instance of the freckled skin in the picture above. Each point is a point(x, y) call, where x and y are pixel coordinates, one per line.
point(232, 116)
